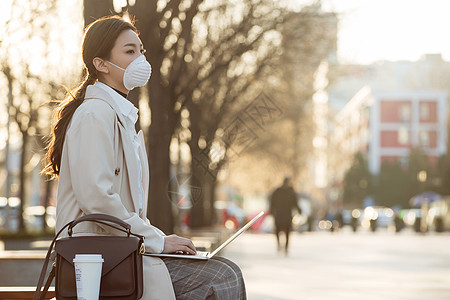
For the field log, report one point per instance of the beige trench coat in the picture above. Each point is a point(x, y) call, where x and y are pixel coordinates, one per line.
point(98, 174)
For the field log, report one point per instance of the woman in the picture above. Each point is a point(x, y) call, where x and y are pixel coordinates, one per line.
point(102, 165)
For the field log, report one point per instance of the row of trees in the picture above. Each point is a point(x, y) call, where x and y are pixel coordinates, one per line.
point(30, 80)
point(223, 71)
point(396, 183)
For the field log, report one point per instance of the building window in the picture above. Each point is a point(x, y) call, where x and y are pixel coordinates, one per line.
point(403, 136)
point(405, 112)
point(424, 111)
point(404, 161)
point(424, 138)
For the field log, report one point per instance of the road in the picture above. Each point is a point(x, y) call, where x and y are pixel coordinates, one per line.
point(344, 265)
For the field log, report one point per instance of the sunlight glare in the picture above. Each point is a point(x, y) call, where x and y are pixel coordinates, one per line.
point(5, 8)
point(374, 30)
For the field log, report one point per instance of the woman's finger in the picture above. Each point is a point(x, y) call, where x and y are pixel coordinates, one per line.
point(188, 246)
point(192, 246)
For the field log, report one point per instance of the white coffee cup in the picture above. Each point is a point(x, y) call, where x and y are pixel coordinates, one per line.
point(88, 271)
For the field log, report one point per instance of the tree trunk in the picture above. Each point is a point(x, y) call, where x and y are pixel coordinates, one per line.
point(159, 136)
point(210, 191)
point(48, 188)
point(202, 211)
point(296, 152)
point(199, 167)
point(197, 210)
point(95, 9)
point(22, 188)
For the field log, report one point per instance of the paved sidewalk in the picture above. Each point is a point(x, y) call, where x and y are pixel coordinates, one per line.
point(345, 266)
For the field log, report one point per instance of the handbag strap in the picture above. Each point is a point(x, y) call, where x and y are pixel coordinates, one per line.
point(37, 293)
point(49, 281)
point(98, 218)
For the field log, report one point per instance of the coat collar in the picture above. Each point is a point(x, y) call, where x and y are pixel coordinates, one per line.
point(95, 92)
point(125, 106)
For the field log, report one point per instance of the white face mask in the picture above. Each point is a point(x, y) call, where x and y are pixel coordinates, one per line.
point(137, 73)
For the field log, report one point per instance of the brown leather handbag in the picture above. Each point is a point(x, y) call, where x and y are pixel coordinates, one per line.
point(122, 268)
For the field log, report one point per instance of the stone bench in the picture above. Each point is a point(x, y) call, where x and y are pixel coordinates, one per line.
point(20, 269)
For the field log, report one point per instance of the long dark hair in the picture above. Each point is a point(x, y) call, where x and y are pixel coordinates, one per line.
point(98, 40)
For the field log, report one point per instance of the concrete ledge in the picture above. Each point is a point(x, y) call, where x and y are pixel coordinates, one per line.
point(23, 254)
point(21, 267)
point(22, 292)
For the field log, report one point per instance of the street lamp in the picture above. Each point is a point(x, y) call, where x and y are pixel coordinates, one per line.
point(422, 176)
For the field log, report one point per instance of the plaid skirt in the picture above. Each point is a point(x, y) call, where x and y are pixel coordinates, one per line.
point(216, 278)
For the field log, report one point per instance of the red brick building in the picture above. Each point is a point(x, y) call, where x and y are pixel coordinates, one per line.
point(402, 120)
point(387, 125)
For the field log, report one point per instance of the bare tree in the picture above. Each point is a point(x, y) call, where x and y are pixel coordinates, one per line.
point(272, 124)
point(28, 88)
point(308, 39)
point(238, 51)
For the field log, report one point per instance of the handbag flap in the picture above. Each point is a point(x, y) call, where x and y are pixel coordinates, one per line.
point(114, 249)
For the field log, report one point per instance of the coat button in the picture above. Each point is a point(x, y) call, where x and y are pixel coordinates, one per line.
point(117, 171)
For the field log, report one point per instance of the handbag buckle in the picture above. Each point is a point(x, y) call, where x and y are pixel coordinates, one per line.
point(142, 248)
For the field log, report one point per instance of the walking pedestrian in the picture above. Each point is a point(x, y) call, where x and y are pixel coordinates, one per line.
point(282, 201)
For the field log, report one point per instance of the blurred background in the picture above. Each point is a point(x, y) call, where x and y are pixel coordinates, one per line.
point(244, 93)
point(348, 98)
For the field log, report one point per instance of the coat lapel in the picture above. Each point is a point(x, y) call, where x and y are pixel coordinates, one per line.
point(131, 163)
point(145, 168)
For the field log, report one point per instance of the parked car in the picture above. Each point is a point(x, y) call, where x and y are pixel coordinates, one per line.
point(374, 217)
point(438, 216)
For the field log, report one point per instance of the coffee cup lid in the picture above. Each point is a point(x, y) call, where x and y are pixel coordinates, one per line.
point(88, 258)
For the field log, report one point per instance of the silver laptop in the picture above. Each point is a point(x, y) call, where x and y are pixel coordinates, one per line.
point(207, 255)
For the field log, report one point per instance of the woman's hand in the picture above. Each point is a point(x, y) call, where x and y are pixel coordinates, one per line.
point(173, 243)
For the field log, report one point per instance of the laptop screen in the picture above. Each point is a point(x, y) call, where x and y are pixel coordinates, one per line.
point(247, 226)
